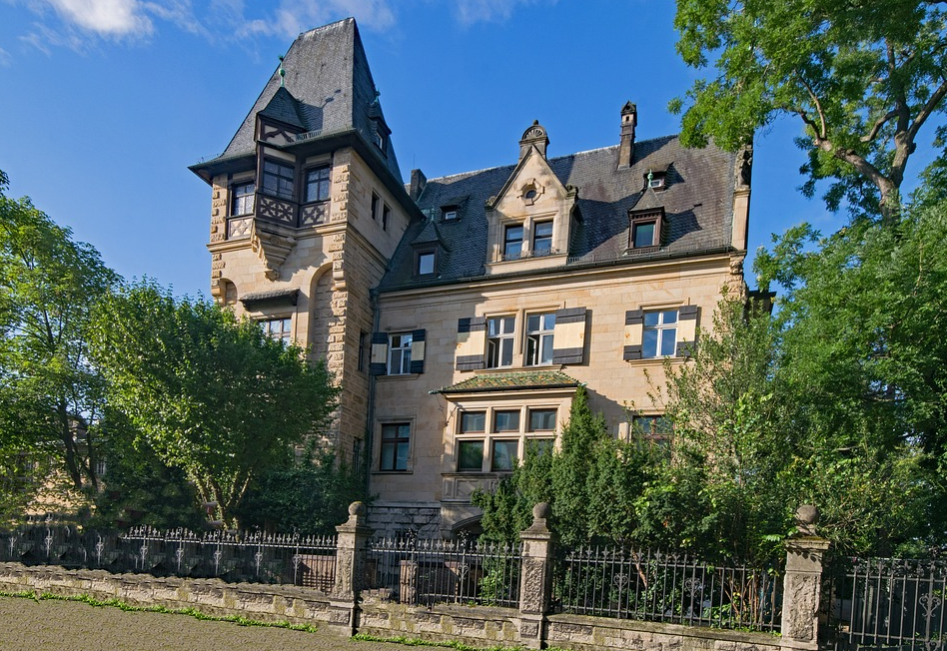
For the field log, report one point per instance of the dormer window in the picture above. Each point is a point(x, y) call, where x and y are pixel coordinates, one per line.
point(656, 178)
point(645, 229)
point(425, 263)
point(449, 213)
point(542, 238)
point(513, 242)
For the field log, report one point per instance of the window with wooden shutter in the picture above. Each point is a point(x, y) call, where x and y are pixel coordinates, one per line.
point(471, 342)
point(634, 325)
point(569, 339)
point(417, 351)
point(687, 330)
point(379, 360)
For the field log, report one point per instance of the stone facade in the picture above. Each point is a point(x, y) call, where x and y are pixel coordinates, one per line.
point(399, 288)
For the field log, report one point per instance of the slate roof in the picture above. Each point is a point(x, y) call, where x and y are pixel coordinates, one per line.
point(328, 89)
point(515, 381)
point(698, 204)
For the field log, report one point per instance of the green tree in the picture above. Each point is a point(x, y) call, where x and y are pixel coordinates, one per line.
point(593, 483)
point(140, 489)
point(309, 494)
point(209, 394)
point(862, 77)
point(51, 398)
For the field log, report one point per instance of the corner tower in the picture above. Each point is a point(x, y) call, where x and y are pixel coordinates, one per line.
point(307, 208)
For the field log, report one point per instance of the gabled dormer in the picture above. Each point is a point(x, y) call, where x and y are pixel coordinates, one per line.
point(530, 220)
point(279, 123)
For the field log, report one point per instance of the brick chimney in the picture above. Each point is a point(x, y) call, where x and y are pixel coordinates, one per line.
point(418, 182)
point(626, 150)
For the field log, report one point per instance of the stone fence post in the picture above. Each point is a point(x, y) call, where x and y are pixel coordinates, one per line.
point(802, 584)
point(536, 577)
point(350, 570)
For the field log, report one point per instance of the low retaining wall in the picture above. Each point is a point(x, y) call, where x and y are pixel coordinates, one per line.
point(473, 625)
point(583, 633)
point(262, 602)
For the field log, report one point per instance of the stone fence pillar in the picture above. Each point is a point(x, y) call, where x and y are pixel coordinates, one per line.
point(536, 577)
point(802, 584)
point(350, 570)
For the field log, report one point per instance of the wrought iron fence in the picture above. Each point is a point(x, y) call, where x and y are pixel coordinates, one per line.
point(672, 588)
point(421, 571)
point(231, 556)
point(885, 603)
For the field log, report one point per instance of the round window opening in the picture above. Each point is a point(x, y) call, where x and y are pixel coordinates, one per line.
point(530, 194)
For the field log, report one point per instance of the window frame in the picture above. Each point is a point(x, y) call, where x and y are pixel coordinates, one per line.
point(321, 184)
point(530, 429)
point(661, 328)
point(645, 218)
point(514, 458)
point(507, 241)
point(518, 431)
point(450, 213)
point(470, 468)
point(385, 216)
point(500, 340)
point(284, 335)
point(235, 198)
point(395, 442)
point(264, 174)
point(534, 250)
point(404, 349)
point(542, 334)
point(423, 253)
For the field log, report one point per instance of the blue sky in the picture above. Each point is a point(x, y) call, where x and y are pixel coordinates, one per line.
point(106, 102)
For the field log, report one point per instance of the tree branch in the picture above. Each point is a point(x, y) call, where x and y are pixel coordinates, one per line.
point(818, 107)
point(928, 109)
point(880, 122)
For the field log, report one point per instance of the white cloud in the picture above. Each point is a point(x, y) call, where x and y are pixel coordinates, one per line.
point(5, 59)
point(483, 11)
point(116, 18)
point(296, 16)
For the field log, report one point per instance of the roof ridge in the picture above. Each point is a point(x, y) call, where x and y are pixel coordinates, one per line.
point(564, 156)
point(324, 27)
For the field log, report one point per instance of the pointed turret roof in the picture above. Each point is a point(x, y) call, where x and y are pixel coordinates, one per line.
point(328, 90)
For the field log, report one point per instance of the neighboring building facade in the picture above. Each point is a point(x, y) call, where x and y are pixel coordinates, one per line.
point(460, 314)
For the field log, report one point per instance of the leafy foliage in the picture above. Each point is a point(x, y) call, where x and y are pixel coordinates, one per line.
point(593, 484)
point(310, 494)
point(51, 398)
point(210, 395)
point(863, 78)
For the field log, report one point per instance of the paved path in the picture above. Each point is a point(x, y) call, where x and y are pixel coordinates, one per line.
point(27, 625)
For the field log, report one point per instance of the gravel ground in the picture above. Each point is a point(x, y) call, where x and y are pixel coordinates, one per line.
point(28, 625)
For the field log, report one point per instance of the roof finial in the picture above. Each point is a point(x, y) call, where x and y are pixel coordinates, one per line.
point(282, 73)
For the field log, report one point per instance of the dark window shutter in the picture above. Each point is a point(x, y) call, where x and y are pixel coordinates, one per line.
point(379, 368)
point(686, 312)
point(418, 337)
point(634, 317)
point(471, 362)
point(631, 352)
point(573, 350)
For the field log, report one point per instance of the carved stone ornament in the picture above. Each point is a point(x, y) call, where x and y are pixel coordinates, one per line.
point(531, 191)
point(803, 597)
point(534, 580)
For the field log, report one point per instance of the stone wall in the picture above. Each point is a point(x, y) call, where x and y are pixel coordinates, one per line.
point(354, 605)
point(261, 602)
point(474, 625)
